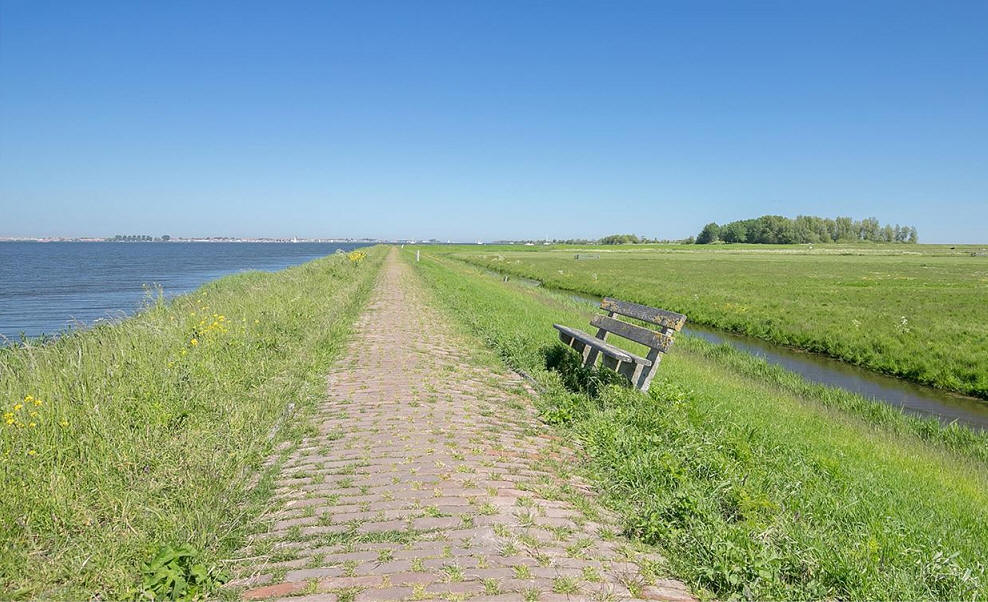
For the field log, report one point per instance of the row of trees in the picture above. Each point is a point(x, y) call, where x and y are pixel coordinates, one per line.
point(620, 239)
point(776, 229)
point(633, 239)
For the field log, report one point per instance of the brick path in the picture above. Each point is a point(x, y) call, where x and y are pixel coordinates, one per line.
point(431, 478)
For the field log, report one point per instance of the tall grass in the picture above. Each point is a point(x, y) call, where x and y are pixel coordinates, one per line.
point(151, 432)
point(753, 486)
point(918, 315)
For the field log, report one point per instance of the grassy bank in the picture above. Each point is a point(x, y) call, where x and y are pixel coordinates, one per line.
point(753, 484)
point(127, 439)
point(918, 312)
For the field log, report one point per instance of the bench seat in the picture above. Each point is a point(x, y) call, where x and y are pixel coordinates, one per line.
point(568, 334)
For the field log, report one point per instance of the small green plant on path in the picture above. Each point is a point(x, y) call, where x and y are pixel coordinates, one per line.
point(177, 574)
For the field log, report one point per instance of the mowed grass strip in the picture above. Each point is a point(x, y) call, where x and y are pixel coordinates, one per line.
point(151, 432)
point(918, 313)
point(752, 487)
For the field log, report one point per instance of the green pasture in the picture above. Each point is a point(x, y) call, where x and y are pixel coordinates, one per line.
point(919, 312)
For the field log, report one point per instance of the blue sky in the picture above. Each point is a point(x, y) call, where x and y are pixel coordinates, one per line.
point(489, 120)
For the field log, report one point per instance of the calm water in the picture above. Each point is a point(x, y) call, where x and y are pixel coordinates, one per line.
point(911, 397)
point(46, 287)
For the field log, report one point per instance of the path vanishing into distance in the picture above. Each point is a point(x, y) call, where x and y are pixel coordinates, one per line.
point(431, 477)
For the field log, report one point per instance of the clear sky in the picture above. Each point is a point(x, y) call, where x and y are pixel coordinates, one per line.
point(500, 119)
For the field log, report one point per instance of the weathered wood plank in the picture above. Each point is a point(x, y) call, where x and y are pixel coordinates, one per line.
point(568, 340)
point(644, 380)
point(666, 319)
point(602, 346)
point(649, 338)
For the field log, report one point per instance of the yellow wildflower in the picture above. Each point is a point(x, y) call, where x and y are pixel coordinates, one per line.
point(31, 452)
point(194, 342)
point(17, 407)
point(64, 422)
point(32, 424)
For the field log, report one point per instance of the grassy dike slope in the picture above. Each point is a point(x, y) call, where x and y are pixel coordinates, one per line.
point(752, 484)
point(915, 311)
point(152, 432)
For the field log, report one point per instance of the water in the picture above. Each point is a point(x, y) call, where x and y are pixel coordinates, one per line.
point(911, 397)
point(47, 287)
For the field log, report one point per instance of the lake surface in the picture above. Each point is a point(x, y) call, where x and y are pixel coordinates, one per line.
point(48, 287)
point(911, 397)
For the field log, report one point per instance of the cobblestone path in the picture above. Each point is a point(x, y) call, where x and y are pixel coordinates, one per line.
point(432, 478)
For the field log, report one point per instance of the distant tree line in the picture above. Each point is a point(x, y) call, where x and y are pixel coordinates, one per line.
point(776, 229)
point(620, 239)
point(633, 239)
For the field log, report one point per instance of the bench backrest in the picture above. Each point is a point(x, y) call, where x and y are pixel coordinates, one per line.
point(668, 321)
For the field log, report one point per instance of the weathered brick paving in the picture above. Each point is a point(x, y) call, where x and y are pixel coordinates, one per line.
point(431, 478)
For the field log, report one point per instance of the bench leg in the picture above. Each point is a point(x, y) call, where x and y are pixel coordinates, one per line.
point(637, 374)
point(590, 356)
point(645, 378)
point(629, 369)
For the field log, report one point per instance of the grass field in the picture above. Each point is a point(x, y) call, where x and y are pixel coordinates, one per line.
point(148, 435)
point(918, 312)
point(753, 483)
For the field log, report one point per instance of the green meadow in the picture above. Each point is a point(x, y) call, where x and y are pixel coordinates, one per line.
point(753, 483)
point(919, 312)
point(130, 439)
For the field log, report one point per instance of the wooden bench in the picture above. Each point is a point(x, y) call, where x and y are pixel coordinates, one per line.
point(639, 370)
